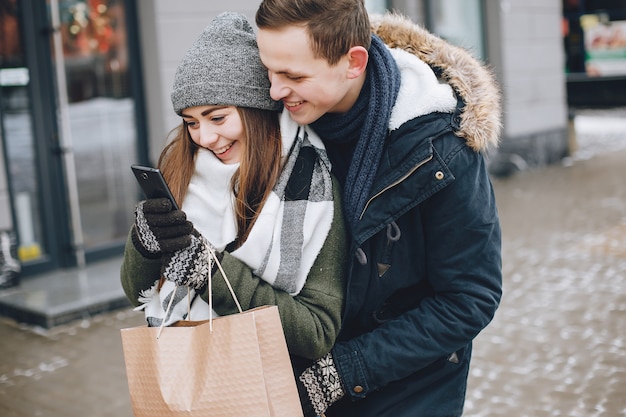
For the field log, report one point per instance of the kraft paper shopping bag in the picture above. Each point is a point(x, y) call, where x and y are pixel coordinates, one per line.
point(239, 368)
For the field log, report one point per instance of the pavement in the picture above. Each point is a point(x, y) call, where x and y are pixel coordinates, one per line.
point(556, 347)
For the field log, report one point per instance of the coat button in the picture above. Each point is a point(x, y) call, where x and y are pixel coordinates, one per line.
point(439, 175)
point(358, 389)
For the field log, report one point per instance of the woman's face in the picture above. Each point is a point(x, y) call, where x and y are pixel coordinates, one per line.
point(218, 129)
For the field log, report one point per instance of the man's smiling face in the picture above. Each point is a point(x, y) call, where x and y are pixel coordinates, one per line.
point(308, 86)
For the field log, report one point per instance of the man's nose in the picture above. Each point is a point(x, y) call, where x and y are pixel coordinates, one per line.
point(278, 89)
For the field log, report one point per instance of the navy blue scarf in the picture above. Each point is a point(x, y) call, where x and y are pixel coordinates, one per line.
point(355, 139)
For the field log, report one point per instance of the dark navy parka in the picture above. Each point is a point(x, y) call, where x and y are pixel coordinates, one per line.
point(426, 273)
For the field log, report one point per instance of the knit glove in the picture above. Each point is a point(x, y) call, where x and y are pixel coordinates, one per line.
point(159, 229)
point(190, 265)
point(319, 386)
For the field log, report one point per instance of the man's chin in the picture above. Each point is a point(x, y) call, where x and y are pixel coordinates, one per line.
point(303, 117)
point(299, 118)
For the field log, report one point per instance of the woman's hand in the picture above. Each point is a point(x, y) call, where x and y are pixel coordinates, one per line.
point(159, 229)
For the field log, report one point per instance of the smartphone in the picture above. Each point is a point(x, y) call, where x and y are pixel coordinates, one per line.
point(152, 183)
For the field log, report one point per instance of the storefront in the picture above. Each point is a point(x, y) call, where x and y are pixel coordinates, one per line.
point(594, 35)
point(71, 118)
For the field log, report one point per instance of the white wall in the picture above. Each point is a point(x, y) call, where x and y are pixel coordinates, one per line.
point(532, 60)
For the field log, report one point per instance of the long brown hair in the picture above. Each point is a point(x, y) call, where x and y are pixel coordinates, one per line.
point(258, 171)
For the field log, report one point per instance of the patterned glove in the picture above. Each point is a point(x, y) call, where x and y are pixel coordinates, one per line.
point(190, 265)
point(158, 229)
point(319, 386)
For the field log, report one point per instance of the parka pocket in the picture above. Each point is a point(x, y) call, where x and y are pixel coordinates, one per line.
point(401, 301)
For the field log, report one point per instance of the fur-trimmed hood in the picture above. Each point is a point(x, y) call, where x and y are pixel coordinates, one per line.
point(481, 119)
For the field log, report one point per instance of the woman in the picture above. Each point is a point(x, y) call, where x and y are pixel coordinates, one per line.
point(255, 189)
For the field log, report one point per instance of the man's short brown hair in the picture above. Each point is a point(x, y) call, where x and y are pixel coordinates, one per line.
point(333, 26)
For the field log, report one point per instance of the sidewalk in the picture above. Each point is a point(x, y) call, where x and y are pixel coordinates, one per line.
point(65, 295)
point(557, 346)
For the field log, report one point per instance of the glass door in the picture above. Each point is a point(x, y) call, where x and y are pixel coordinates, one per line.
point(18, 135)
point(459, 22)
point(97, 117)
point(71, 122)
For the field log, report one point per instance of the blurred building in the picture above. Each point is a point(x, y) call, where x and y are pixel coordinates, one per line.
point(84, 93)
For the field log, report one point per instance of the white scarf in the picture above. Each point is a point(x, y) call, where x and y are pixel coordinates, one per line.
point(286, 237)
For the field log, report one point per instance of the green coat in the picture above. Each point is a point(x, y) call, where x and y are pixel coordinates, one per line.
point(311, 319)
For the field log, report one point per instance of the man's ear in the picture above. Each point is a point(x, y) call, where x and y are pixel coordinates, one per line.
point(357, 61)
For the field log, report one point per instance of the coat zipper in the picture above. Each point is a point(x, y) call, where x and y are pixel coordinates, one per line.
point(405, 176)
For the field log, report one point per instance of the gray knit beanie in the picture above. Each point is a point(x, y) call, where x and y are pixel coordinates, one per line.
point(223, 67)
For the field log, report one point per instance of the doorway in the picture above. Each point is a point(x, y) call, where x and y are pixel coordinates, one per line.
point(71, 114)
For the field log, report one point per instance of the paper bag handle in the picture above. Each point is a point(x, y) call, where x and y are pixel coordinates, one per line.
point(230, 289)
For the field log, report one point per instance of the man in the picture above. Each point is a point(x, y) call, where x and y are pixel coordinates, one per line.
point(405, 125)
